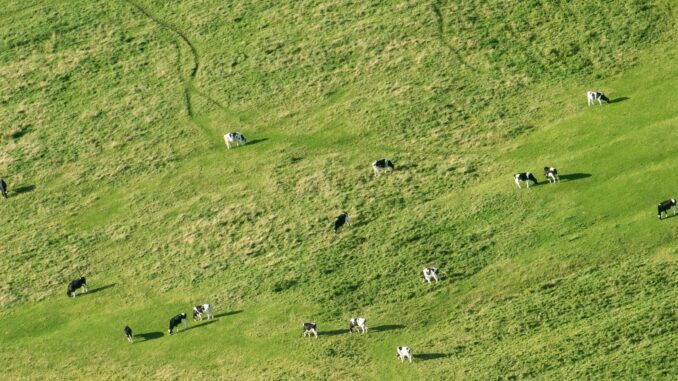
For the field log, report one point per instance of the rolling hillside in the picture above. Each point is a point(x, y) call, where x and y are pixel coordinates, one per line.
point(112, 115)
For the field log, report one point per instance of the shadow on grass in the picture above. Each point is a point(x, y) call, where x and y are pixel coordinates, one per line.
point(431, 356)
point(574, 176)
point(387, 327)
point(227, 313)
point(405, 167)
point(669, 215)
point(99, 289)
point(620, 99)
point(256, 141)
point(201, 325)
point(23, 189)
point(333, 332)
point(148, 336)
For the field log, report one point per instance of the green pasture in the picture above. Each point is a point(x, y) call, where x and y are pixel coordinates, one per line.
point(112, 115)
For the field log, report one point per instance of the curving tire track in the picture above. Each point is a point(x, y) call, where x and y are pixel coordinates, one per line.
point(441, 30)
point(189, 87)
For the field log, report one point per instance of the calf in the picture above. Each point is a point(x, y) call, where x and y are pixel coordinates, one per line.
point(175, 321)
point(3, 188)
point(128, 333)
point(75, 285)
point(664, 207)
point(551, 175)
point(236, 137)
point(430, 273)
point(198, 311)
point(340, 221)
point(527, 177)
point(382, 165)
point(310, 329)
point(357, 324)
point(404, 353)
point(593, 96)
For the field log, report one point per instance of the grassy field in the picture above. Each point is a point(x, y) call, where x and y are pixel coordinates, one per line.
point(111, 123)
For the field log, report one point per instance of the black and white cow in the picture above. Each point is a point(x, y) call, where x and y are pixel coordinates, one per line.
point(551, 175)
point(665, 206)
point(75, 285)
point(236, 137)
point(176, 321)
point(357, 324)
point(340, 221)
point(382, 165)
point(430, 273)
point(527, 177)
point(404, 353)
point(3, 188)
point(128, 333)
point(310, 329)
point(205, 309)
point(593, 96)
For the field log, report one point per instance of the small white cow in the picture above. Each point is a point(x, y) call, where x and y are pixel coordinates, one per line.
point(382, 165)
point(527, 177)
point(199, 310)
point(551, 175)
point(592, 96)
point(430, 273)
point(357, 324)
point(404, 353)
point(236, 137)
point(310, 329)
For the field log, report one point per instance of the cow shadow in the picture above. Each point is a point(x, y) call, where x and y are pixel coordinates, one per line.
point(431, 356)
point(256, 141)
point(669, 215)
point(574, 176)
point(333, 332)
point(227, 313)
point(99, 289)
point(149, 336)
point(23, 189)
point(386, 327)
point(196, 325)
point(617, 100)
point(405, 167)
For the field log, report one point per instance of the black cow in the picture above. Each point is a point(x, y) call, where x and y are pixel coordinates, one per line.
point(75, 285)
point(175, 321)
point(382, 165)
point(551, 175)
point(310, 329)
point(128, 333)
point(340, 221)
point(593, 96)
point(527, 177)
point(3, 188)
point(664, 207)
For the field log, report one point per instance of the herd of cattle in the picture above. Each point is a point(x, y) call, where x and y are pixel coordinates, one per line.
point(358, 324)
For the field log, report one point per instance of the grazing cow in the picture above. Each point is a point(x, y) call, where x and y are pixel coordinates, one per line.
point(357, 324)
point(664, 207)
point(551, 175)
point(382, 165)
point(310, 329)
point(128, 333)
point(75, 285)
point(236, 137)
point(404, 353)
point(175, 321)
point(340, 221)
point(527, 177)
point(198, 311)
point(3, 188)
point(593, 96)
point(430, 273)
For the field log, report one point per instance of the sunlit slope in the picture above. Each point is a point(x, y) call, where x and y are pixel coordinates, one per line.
point(112, 117)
